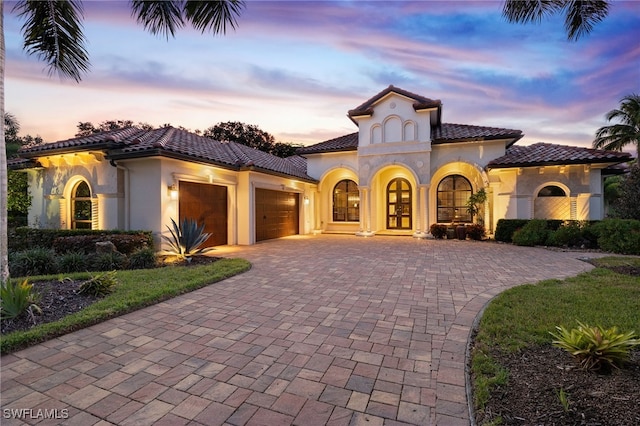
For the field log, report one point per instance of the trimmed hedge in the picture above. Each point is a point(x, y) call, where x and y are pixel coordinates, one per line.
point(25, 238)
point(619, 235)
point(506, 227)
point(613, 235)
point(125, 243)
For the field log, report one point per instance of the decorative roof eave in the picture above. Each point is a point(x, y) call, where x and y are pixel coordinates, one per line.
point(19, 164)
point(421, 103)
point(554, 163)
point(253, 168)
point(329, 150)
point(104, 147)
point(510, 138)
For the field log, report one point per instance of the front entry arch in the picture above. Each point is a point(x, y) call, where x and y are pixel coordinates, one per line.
point(399, 202)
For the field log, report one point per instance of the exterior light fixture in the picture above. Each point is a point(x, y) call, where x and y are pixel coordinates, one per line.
point(173, 191)
point(306, 200)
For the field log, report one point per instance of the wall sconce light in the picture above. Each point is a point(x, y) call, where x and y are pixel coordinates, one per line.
point(306, 200)
point(173, 191)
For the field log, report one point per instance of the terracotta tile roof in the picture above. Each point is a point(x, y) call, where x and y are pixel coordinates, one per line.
point(445, 133)
point(176, 143)
point(540, 154)
point(342, 143)
point(95, 141)
point(448, 133)
point(420, 101)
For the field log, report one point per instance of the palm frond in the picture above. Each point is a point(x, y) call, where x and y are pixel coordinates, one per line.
point(53, 32)
point(582, 15)
point(162, 16)
point(626, 131)
point(213, 15)
point(525, 11)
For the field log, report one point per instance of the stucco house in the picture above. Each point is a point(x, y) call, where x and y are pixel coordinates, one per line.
point(401, 171)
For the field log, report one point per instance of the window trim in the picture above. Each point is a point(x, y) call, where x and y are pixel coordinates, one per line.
point(463, 215)
point(74, 199)
point(344, 211)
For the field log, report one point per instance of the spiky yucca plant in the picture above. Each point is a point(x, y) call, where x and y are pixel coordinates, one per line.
point(186, 240)
point(15, 298)
point(594, 347)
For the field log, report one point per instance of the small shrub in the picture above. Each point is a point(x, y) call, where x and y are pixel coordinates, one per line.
point(73, 261)
point(534, 233)
point(109, 261)
point(16, 298)
point(506, 227)
point(618, 235)
point(567, 235)
point(476, 231)
point(438, 231)
point(594, 347)
point(100, 285)
point(185, 240)
point(36, 261)
point(143, 259)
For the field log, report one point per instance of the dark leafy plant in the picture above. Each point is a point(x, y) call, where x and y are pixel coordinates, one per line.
point(507, 227)
point(534, 233)
point(142, 259)
point(595, 348)
point(618, 235)
point(73, 262)
point(568, 234)
point(438, 231)
point(100, 285)
point(109, 261)
point(476, 231)
point(16, 298)
point(36, 261)
point(186, 240)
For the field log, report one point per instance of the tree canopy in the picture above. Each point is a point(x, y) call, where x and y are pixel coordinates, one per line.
point(251, 136)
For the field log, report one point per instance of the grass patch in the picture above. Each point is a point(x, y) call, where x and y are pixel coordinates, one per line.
point(613, 261)
point(136, 289)
point(524, 315)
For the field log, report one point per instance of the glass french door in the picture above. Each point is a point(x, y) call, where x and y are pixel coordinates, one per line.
point(399, 204)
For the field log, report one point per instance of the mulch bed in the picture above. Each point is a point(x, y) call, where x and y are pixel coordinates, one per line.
point(58, 299)
point(537, 374)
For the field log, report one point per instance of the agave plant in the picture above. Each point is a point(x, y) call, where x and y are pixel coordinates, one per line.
point(185, 240)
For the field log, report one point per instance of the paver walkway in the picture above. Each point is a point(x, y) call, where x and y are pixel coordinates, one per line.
point(326, 329)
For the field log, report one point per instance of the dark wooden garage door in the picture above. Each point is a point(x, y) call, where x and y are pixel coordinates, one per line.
point(206, 204)
point(276, 214)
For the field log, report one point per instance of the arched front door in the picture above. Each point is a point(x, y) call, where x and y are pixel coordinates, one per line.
point(399, 204)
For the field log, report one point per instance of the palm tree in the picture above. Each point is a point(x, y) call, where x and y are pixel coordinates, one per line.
point(579, 15)
point(627, 132)
point(53, 32)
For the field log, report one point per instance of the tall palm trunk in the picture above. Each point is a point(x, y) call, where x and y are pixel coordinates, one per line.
point(4, 241)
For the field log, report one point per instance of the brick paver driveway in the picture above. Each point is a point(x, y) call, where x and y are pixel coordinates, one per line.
point(323, 329)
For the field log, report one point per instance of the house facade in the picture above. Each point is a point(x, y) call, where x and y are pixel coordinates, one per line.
point(401, 171)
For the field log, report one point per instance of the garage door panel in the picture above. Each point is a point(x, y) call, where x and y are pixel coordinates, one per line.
point(206, 204)
point(276, 214)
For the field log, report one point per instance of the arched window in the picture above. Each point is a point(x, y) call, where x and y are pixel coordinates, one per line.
point(346, 201)
point(81, 206)
point(552, 191)
point(453, 193)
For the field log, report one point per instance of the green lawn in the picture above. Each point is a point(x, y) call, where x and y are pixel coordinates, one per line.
point(136, 289)
point(523, 316)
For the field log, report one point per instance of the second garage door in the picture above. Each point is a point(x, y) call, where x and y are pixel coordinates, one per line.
point(276, 214)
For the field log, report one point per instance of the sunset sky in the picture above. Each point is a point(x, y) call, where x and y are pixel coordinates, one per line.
point(295, 68)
